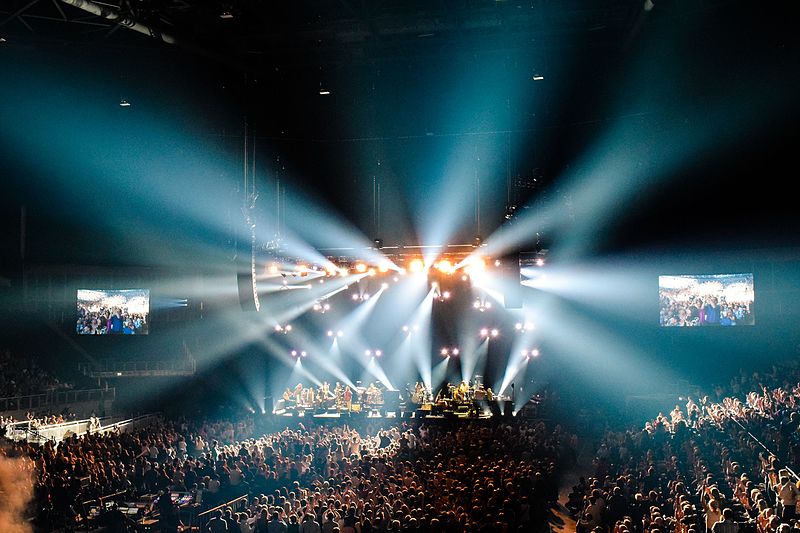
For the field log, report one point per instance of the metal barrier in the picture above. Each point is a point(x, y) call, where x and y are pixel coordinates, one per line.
point(56, 397)
point(112, 369)
point(58, 432)
point(202, 519)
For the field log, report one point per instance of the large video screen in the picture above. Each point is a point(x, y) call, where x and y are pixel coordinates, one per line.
point(113, 312)
point(706, 300)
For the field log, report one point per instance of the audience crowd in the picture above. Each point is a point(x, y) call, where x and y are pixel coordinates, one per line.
point(22, 376)
point(706, 466)
point(482, 475)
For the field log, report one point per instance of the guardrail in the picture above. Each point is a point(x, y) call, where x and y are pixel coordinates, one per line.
point(110, 369)
point(56, 397)
point(58, 432)
point(202, 519)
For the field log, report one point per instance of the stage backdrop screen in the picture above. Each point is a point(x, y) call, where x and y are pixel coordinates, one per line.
point(706, 300)
point(113, 312)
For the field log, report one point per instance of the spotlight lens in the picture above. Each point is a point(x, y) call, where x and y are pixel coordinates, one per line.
point(476, 304)
point(456, 351)
point(446, 294)
point(416, 266)
point(488, 305)
point(355, 297)
point(384, 285)
point(340, 333)
point(303, 353)
point(445, 266)
point(495, 333)
point(444, 351)
point(518, 326)
point(484, 332)
point(361, 268)
point(524, 353)
point(288, 327)
point(540, 262)
point(405, 328)
point(278, 327)
point(294, 353)
point(378, 353)
point(368, 352)
point(383, 268)
point(535, 352)
point(371, 272)
point(330, 333)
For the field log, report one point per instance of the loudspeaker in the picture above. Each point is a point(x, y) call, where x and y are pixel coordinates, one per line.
point(512, 287)
point(391, 401)
point(246, 296)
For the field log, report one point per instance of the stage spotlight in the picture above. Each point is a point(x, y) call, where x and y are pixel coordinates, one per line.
point(484, 332)
point(302, 269)
point(278, 327)
point(378, 353)
point(273, 269)
point(383, 268)
point(456, 351)
point(330, 333)
point(371, 272)
point(361, 268)
point(497, 263)
point(445, 352)
point(287, 328)
point(518, 326)
point(540, 262)
point(446, 295)
point(464, 277)
point(445, 266)
point(343, 272)
point(303, 353)
point(294, 353)
point(476, 304)
point(528, 326)
point(416, 266)
point(368, 353)
point(402, 271)
point(365, 297)
point(340, 333)
point(405, 329)
point(384, 286)
point(395, 279)
point(494, 333)
point(535, 352)
point(355, 297)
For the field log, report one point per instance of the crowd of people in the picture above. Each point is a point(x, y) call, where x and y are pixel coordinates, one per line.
point(479, 475)
point(110, 321)
point(696, 310)
point(22, 376)
point(718, 466)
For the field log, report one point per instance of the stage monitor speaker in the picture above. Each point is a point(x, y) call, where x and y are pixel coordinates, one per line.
point(246, 295)
point(391, 401)
point(512, 288)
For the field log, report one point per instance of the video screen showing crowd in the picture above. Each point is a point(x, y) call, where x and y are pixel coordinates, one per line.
point(706, 300)
point(113, 312)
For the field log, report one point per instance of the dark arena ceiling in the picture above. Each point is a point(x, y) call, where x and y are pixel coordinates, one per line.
point(340, 95)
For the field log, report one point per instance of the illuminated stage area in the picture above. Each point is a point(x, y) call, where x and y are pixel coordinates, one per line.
point(399, 266)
